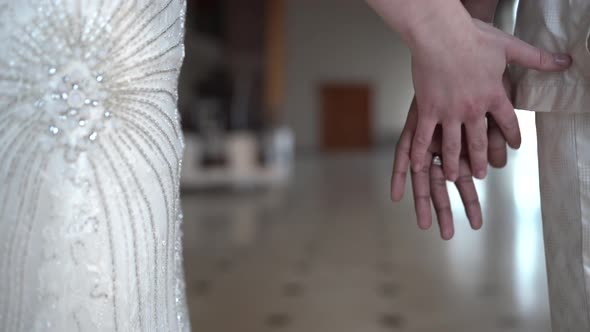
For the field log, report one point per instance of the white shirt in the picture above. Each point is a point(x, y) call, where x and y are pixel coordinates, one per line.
point(556, 26)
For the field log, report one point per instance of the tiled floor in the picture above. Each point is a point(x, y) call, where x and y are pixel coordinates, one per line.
point(332, 254)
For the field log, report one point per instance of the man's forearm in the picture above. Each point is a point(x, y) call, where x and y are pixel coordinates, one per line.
point(481, 9)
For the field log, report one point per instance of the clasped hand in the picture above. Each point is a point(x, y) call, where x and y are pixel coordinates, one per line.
point(459, 83)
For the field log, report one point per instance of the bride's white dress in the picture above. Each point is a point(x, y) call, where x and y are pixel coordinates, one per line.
point(90, 157)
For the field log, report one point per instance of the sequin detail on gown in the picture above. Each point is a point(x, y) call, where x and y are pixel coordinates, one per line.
point(91, 152)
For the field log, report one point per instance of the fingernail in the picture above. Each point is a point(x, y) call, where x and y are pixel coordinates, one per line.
point(562, 59)
point(423, 226)
point(447, 234)
point(480, 174)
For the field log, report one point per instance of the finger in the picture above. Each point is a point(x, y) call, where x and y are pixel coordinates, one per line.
point(520, 53)
point(468, 194)
point(436, 144)
point(402, 155)
point(477, 145)
point(402, 161)
point(497, 154)
point(506, 119)
point(421, 189)
point(441, 201)
point(451, 149)
point(421, 142)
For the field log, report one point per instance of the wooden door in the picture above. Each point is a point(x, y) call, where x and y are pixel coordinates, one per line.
point(346, 116)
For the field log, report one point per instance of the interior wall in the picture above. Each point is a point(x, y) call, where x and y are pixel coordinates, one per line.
point(342, 40)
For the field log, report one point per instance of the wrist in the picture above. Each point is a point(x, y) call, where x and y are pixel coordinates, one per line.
point(410, 18)
point(436, 25)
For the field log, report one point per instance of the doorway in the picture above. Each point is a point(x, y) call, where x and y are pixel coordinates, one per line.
point(346, 122)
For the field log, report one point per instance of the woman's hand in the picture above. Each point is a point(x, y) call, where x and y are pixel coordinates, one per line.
point(458, 80)
point(457, 66)
point(429, 183)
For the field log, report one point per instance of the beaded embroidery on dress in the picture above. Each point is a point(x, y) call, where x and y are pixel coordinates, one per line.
point(91, 149)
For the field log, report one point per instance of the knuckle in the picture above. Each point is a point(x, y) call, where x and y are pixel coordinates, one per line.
point(472, 203)
point(452, 147)
point(474, 114)
point(428, 109)
point(499, 95)
point(425, 169)
point(468, 104)
point(422, 171)
point(416, 157)
point(443, 210)
point(439, 182)
point(464, 179)
point(450, 169)
point(402, 149)
point(477, 144)
point(400, 173)
point(539, 58)
point(421, 140)
point(511, 124)
point(498, 147)
point(422, 199)
point(545, 60)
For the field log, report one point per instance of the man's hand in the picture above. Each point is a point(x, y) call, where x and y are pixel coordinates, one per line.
point(429, 183)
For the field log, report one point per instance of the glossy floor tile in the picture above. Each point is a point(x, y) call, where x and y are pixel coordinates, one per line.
point(332, 254)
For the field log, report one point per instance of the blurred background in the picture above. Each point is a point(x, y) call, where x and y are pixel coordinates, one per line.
point(291, 110)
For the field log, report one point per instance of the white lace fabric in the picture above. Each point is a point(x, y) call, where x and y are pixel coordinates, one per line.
point(90, 157)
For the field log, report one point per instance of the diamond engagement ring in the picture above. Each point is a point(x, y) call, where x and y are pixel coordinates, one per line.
point(437, 160)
